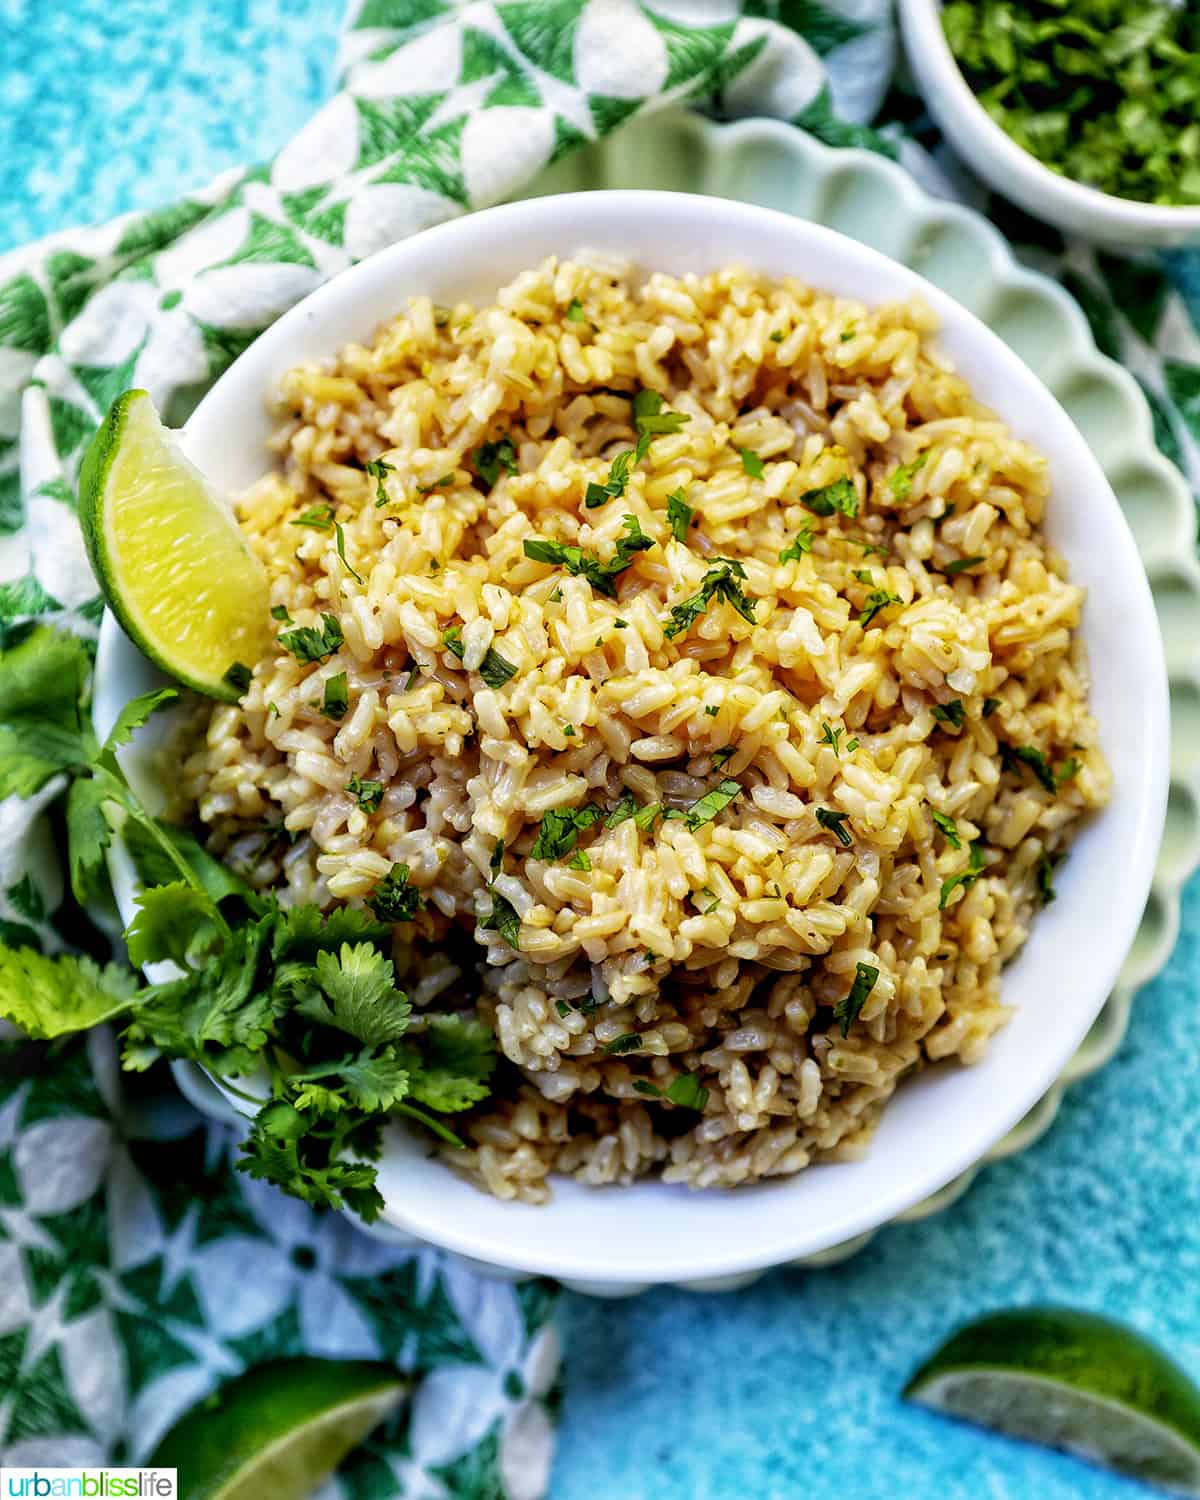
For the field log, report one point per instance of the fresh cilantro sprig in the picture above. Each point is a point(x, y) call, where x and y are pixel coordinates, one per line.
point(650, 421)
point(307, 1002)
point(495, 669)
point(846, 1011)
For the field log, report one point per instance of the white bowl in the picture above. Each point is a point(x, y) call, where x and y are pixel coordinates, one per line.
point(945, 1120)
point(1010, 169)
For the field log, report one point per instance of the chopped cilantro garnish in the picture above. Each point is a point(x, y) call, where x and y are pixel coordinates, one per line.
point(238, 677)
point(306, 643)
point(575, 312)
point(869, 547)
point(368, 794)
point(846, 1011)
point(686, 1091)
point(644, 1086)
point(833, 821)
point(503, 919)
point(562, 1008)
point(901, 477)
point(679, 515)
point(495, 669)
point(949, 827)
point(341, 552)
point(489, 458)
point(975, 865)
point(337, 697)
point(852, 745)
point(847, 334)
point(706, 808)
point(426, 489)
point(395, 898)
point(751, 463)
point(378, 469)
point(1032, 758)
point(558, 832)
point(721, 581)
point(319, 517)
point(961, 564)
point(580, 564)
point(630, 1042)
point(280, 612)
point(412, 678)
point(990, 705)
point(830, 736)
point(712, 710)
point(650, 419)
point(644, 817)
point(950, 713)
point(876, 600)
point(617, 483)
point(777, 336)
point(625, 808)
point(1045, 878)
point(580, 861)
point(840, 496)
point(801, 543)
point(619, 624)
point(723, 755)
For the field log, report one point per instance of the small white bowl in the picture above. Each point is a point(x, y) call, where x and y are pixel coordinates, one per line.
point(1010, 169)
point(943, 1121)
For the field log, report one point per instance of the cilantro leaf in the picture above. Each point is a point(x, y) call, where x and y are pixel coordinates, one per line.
point(172, 922)
point(43, 730)
point(357, 995)
point(489, 458)
point(619, 471)
point(558, 833)
point(833, 821)
point(631, 1041)
point(134, 715)
point(801, 543)
point(876, 600)
point(504, 919)
point(379, 469)
point(952, 713)
point(975, 866)
point(847, 1009)
point(52, 997)
point(1033, 758)
point(336, 699)
point(580, 564)
point(368, 794)
point(961, 564)
point(720, 582)
point(679, 514)
point(395, 898)
point(830, 736)
point(451, 1069)
point(319, 517)
point(751, 463)
point(686, 1091)
point(154, 865)
point(341, 552)
point(88, 835)
point(649, 418)
point(575, 312)
point(901, 478)
point(840, 496)
point(948, 827)
point(307, 643)
point(706, 808)
point(1045, 878)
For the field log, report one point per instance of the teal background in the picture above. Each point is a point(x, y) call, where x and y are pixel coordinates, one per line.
point(791, 1387)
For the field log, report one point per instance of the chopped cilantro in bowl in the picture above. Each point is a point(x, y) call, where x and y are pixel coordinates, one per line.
point(1102, 91)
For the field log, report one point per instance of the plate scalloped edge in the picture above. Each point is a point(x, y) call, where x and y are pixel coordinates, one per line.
point(875, 201)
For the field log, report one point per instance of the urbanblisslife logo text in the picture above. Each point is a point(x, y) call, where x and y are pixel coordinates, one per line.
point(89, 1484)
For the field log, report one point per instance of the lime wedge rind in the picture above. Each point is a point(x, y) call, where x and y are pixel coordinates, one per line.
point(168, 553)
point(278, 1430)
point(1073, 1381)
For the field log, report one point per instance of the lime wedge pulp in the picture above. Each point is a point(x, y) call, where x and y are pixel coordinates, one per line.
point(168, 553)
point(1075, 1381)
point(278, 1430)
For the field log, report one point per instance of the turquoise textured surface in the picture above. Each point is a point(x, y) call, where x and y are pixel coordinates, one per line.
point(788, 1388)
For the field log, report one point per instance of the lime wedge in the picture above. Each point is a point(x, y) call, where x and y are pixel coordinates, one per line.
point(278, 1430)
point(173, 565)
point(1075, 1381)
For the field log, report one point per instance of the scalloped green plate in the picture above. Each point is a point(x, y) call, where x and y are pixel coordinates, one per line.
point(878, 203)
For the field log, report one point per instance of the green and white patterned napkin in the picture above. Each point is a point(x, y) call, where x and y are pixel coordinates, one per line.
point(137, 1268)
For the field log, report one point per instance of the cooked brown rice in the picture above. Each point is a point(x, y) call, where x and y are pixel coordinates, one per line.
point(718, 950)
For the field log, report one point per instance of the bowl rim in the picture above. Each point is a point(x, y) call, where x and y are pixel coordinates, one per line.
point(923, 18)
point(591, 1262)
